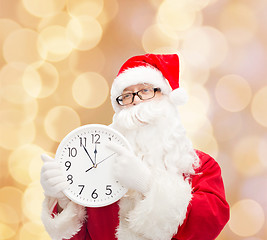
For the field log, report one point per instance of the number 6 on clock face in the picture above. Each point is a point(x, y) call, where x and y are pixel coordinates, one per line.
point(87, 165)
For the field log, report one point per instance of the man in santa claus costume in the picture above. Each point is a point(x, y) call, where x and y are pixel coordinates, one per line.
point(175, 192)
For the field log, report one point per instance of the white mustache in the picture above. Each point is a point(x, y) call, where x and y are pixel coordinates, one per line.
point(141, 114)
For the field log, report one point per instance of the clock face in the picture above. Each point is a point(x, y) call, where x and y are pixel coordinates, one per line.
point(88, 164)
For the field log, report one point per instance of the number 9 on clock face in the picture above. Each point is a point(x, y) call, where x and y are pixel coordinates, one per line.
point(87, 165)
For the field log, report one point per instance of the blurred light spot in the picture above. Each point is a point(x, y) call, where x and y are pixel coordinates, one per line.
point(247, 218)
point(32, 81)
point(32, 201)
point(233, 93)
point(84, 61)
point(59, 121)
point(246, 156)
point(60, 19)
point(43, 8)
point(109, 12)
point(263, 151)
point(11, 197)
point(15, 135)
point(258, 107)
point(18, 114)
point(194, 114)
point(90, 90)
point(24, 17)
point(84, 32)
point(11, 83)
point(40, 81)
point(204, 140)
point(253, 188)
point(199, 5)
point(195, 73)
point(9, 217)
point(252, 238)
point(153, 39)
point(53, 44)
point(176, 14)
point(198, 91)
point(210, 48)
point(7, 231)
point(20, 160)
point(238, 22)
point(20, 46)
point(84, 7)
point(32, 231)
point(223, 123)
point(7, 26)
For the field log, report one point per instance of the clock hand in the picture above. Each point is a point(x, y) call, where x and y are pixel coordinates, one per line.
point(94, 166)
point(105, 158)
point(90, 168)
point(88, 155)
point(95, 152)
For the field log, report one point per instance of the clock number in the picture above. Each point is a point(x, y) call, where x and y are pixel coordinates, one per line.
point(95, 138)
point(70, 178)
point(94, 194)
point(72, 152)
point(109, 190)
point(82, 186)
point(67, 165)
point(83, 141)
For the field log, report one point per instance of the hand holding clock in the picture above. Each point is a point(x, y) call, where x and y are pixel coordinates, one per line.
point(131, 172)
point(53, 181)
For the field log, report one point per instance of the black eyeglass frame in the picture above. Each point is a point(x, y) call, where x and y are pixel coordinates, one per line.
point(134, 94)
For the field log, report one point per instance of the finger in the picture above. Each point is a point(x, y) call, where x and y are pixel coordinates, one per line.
point(49, 166)
point(50, 173)
point(116, 148)
point(46, 158)
point(60, 187)
point(56, 180)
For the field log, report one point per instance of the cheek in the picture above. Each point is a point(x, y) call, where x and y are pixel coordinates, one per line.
point(158, 95)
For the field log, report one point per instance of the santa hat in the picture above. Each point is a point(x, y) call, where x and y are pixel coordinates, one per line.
point(161, 71)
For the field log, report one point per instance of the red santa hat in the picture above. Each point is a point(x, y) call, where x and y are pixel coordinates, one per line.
point(159, 70)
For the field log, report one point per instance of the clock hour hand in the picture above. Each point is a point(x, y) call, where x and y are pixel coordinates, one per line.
point(88, 155)
point(90, 169)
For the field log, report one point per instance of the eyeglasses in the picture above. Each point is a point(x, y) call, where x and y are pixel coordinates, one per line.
point(143, 94)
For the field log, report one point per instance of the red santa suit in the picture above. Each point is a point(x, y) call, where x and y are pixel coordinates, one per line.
point(207, 212)
point(186, 197)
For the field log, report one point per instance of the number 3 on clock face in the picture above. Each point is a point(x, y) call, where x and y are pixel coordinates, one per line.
point(87, 165)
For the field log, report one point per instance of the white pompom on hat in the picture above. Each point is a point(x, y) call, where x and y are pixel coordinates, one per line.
point(159, 70)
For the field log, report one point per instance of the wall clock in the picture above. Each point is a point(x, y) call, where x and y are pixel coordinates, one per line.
point(87, 165)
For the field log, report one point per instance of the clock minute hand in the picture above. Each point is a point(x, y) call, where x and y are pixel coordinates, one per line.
point(95, 152)
point(88, 155)
point(105, 158)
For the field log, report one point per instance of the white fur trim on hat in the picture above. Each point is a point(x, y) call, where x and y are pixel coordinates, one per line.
point(138, 75)
point(179, 96)
point(63, 225)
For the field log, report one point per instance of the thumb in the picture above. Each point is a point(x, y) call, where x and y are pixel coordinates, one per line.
point(46, 158)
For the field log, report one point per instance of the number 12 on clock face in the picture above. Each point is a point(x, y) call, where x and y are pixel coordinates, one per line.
point(88, 164)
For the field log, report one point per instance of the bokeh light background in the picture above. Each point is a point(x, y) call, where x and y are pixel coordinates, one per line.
point(57, 62)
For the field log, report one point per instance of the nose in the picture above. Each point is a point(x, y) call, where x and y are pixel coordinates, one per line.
point(136, 100)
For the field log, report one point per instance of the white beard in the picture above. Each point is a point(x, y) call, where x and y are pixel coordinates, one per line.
point(155, 132)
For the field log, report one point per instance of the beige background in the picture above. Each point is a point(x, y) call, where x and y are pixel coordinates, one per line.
point(57, 63)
